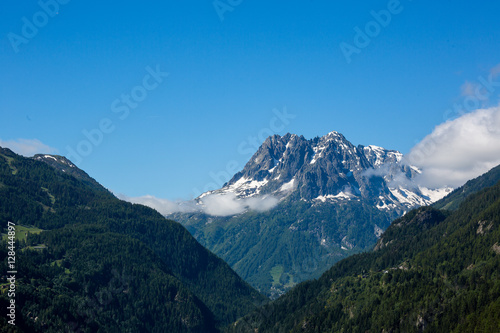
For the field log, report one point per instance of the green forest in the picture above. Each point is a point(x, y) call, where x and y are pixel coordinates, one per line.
point(104, 265)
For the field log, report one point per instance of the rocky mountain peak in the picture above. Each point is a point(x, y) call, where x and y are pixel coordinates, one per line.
point(328, 168)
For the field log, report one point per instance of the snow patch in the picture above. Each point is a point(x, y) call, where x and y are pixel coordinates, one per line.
point(317, 153)
point(287, 186)
point(437, 194)
point(340, 196)
point(414, 168)
point(246, 185)
point(406, 196)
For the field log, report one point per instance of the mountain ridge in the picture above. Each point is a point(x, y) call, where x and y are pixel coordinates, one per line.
point(329, 168)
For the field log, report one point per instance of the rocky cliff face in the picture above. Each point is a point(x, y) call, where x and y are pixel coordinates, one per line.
point(330, 168)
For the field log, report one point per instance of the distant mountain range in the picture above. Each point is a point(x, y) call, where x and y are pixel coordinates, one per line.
point(332, 199)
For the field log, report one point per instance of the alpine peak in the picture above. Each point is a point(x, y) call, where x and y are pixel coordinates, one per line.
point(330, 168)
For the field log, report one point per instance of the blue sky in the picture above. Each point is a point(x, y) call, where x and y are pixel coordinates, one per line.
point(68, 70)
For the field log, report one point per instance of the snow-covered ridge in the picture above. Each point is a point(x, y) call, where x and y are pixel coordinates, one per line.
point(243, 188)
point(59, 159)
point(330, 169)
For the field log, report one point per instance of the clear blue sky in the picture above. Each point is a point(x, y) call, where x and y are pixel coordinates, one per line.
point(227, 76)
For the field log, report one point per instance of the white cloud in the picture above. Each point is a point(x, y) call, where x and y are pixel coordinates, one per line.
point(163, 206)
point(393, 174)
point(222, 205)
point(459, 150)
point(228, 204)
point(261, 204)
point(28, 147)
point(213, 204)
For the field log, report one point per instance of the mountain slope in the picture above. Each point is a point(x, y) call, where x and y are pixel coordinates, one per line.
point(293, 242)
point(431, 271)
point(62, 164)
point(91, 241)
point(335, 199)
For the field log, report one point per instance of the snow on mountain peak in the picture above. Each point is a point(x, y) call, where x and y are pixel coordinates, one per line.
point(328, 169)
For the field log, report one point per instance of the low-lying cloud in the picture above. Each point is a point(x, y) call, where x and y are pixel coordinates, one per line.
point(163, 206)
point(226, 204)
point(393, 174)
point(459, 150)
point(27, 147)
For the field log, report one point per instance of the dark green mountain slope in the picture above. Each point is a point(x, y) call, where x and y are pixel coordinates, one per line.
point(64, 165)
point(431, 271)
point(105, 263)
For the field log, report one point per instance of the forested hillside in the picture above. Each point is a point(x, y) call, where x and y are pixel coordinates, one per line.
point(88, 261)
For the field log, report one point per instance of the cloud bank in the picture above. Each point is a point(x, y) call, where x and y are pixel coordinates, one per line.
point(393, 174)
point(27, 147)
point(163, 206)
point(459, 150)
point(212, 204)
point(229, 204)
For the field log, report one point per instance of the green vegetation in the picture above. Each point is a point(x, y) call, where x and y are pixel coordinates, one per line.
point(102, 264)
point(276, 273)
point(9, 161)
point(302, 237)
point(22, 232)
point(52, 198)
point(431, 271)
